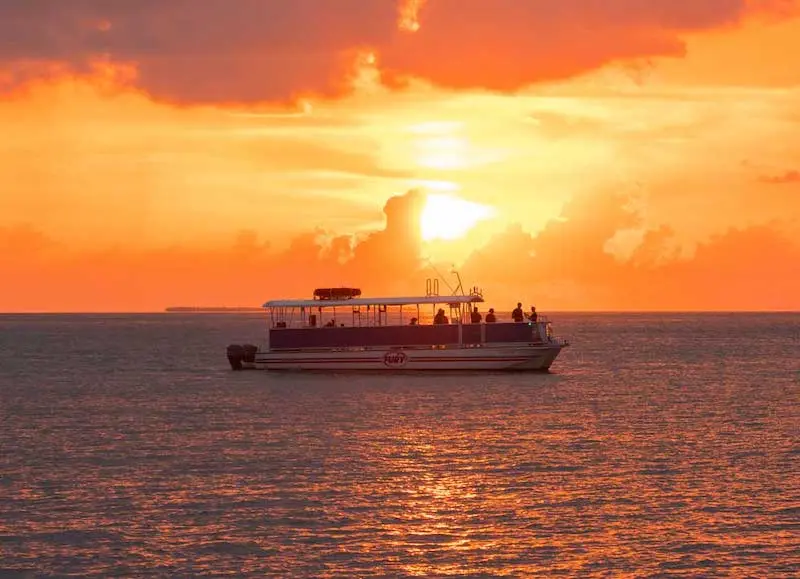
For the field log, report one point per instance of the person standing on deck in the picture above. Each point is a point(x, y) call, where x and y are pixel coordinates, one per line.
point(475, 316)
point(533, 316)
point(490, 317)
point(517, 314)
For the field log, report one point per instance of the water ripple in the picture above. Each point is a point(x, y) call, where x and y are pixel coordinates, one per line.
point(641, 455)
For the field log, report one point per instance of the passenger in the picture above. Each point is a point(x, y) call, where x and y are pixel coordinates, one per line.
point(440, 318)
point(413, 322)
point(517, 314)
point(490, 317)
point(312, 320)
point(476, 316)
point(533, 316)
point(331, 324)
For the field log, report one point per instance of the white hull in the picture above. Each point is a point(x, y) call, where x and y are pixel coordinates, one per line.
point(494, 358)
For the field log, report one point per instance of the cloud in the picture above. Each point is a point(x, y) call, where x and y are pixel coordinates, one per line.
point(385, 261)
point(792, 176)
point(218, 51)
point(209, 51)
point(304, 155)
point(391, 255)
point(505, 45)
point(565, 266)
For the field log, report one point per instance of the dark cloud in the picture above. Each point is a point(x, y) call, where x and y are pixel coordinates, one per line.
point(507, 44)
point(192, 51)
point(202, 51)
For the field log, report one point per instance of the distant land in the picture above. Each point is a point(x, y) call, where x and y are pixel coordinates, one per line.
point(212, 309)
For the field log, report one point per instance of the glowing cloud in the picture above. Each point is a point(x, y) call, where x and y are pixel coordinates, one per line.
point(450, 217)
point(409, 15)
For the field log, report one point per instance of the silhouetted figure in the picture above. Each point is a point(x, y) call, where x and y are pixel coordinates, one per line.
point(440, 318)
point(330, 324)
point(517, 314)
point(490, 317)
point(312, 320)
point(475, 316)
point(413, 322)
point(533, 316)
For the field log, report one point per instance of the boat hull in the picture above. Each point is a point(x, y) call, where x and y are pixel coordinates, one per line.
point(537, 357)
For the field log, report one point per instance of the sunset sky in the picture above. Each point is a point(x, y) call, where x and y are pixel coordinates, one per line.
point(574, 154)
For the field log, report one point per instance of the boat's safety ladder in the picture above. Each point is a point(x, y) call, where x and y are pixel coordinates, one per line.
point(431, 287)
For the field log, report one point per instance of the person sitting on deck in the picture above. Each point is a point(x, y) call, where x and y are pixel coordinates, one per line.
point(517, 314)
point(490, 317)
point(533, 316)
point(413, 322)
point(331, 324)
point(475, 316)
point(440, 318)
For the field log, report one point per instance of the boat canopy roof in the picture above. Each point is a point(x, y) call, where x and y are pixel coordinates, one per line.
point(395, 301)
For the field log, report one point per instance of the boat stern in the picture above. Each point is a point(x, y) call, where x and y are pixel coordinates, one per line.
point(242, 356)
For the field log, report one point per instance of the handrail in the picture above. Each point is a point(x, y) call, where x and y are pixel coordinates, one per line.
point(431, 287)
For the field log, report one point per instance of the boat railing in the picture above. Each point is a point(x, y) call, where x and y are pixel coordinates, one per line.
point(407, 335)
point(394, 319)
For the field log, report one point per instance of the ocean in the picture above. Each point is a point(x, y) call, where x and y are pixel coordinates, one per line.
point(658, 445)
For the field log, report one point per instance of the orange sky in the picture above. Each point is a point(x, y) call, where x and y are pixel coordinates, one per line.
point(577, 155)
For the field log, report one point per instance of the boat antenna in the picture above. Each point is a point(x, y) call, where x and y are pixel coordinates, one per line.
point(460, 286)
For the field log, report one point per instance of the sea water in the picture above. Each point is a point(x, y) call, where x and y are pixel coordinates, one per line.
point(659, 444)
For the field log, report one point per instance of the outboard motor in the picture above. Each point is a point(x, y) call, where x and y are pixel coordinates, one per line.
point(236, 355)
point(249, 353)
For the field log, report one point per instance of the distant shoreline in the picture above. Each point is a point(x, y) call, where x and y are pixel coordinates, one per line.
point(251, 309)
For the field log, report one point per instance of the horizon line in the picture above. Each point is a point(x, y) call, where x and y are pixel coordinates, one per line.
point(255, 309)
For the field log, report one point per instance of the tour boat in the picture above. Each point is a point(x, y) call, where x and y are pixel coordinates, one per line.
point(339, 330)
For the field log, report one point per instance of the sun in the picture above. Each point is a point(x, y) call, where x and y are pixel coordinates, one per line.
point(449, 217)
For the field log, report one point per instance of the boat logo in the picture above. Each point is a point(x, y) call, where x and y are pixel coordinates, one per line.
point(395, 359)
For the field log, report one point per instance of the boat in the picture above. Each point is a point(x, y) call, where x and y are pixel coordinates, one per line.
point(429, 332)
